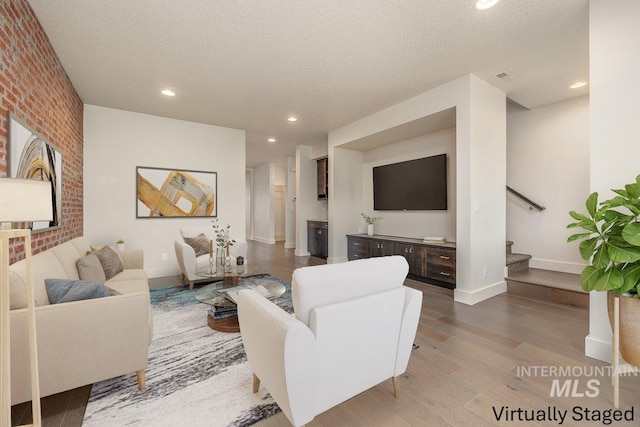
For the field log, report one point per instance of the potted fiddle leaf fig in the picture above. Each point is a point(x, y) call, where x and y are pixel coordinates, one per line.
point(610, 241)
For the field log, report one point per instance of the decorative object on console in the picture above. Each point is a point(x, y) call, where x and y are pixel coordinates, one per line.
point(168, 193)
point(370, 220)
point(30, 156)
point(22, 201)
point(120, 244)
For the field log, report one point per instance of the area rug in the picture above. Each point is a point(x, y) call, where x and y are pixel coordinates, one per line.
point(196, 376)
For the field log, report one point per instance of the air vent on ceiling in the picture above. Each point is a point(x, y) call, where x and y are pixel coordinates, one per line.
point(503, 75)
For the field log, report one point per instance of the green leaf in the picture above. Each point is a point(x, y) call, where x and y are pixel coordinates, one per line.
point(611, 279)
point(631, 277)
point(574, 237)
point(589, 277)
point(578, 216)
point(633, 190)
point(600, 257)
point(638, 179)
point(587, 225)
point(622, 253)
point(623, 193)
point(631, 233)
point(615, 202)
point(592, 203)
point(587, 247)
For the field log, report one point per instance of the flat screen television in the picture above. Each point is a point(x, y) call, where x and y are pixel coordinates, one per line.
point(414, 185)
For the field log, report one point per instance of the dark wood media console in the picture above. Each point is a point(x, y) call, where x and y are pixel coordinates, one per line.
point(431, 262)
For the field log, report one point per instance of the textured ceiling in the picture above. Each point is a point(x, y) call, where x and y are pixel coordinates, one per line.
point(250, 64)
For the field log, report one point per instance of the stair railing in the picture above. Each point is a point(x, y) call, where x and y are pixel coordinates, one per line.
point(532, 205)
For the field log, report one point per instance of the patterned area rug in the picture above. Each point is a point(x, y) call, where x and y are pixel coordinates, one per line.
point(196, 376)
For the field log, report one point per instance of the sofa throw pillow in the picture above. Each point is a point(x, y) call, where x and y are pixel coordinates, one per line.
point(67, 290)
point(110, 261)
point(201, 244)
point(89, 268)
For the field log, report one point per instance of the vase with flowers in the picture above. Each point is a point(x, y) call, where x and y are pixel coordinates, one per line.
point(223, 242)
point(370, 220)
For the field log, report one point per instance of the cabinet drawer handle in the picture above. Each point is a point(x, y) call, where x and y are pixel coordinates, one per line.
point(319, 231)
point(442, 273)
point(356, 244)
point(410, 250)
point(444, 257)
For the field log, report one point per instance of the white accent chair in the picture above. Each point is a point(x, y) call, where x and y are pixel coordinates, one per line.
point(186, 256)
point(353, 328)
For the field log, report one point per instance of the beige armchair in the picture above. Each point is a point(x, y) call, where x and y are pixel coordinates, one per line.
point(353, 328)
point(189, 264)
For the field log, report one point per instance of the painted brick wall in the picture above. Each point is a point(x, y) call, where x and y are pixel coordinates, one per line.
point(35, 87)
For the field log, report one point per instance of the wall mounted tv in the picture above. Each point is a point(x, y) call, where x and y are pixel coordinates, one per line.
point(414, 185)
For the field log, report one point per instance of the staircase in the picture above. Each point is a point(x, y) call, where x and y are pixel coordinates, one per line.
point(544, 285)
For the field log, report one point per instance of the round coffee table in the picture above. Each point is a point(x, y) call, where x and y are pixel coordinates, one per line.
point(228, 324)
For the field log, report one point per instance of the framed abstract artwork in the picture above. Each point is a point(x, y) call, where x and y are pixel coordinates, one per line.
point(30, 156)
point(173, 193)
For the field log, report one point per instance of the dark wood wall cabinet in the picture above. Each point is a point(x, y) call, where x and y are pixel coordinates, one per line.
point(429, 262)
point(323, 178)
point(318, 238)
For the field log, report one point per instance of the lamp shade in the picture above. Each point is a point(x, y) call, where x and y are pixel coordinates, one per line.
point(25, 200)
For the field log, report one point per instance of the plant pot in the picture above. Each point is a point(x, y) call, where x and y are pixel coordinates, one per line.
point(370, 230)
point(629, 327)
point(120, 246)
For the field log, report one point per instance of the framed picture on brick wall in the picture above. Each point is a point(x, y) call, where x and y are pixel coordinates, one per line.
point(173, 193)
point(31, 156)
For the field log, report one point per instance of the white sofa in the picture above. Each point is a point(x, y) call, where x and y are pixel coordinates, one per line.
point(189, 264)
point(79, 342)
point(353, 328)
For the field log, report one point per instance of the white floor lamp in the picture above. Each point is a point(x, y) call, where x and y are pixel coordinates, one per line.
point(21, 200)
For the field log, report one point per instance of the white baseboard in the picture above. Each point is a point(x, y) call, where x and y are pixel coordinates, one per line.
point(597, 349)
point(249, 237)
point(337, 260)
point(301, 252)
point(263, 240)
point(474, 297)
point(162, 272)
point(564, 267)
point(289, 245)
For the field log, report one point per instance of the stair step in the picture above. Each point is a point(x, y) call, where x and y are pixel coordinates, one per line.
point(547, 285)
point(517, 262)
point(515, 258)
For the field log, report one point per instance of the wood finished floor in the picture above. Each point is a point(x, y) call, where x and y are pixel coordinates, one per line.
point(467, 363)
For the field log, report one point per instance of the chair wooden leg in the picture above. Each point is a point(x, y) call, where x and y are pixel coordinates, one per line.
point(141, 383)
point(183, 278)
point(190, 285)
point(396, 386)
point(256, 383)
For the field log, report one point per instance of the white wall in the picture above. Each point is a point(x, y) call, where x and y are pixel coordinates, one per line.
point(413, 223)
point(615, 126)
point(263, 218)
point(117, 141)
point(249, 203)
point(279, 201)
point(547, 161)
point(290, 205)
point(480, 177)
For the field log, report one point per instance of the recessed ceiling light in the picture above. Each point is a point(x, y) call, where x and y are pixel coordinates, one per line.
point(293, 119)
point(577, 85)
point(485, 4)
point(271, 140)
point(168, 92)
